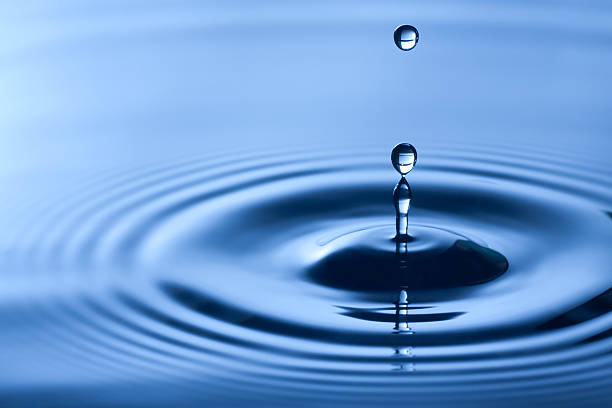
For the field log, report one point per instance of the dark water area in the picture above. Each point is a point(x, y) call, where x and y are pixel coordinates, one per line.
point(187, 224)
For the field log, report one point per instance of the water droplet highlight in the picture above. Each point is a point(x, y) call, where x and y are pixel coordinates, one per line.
point(406, 37)
point(403, 157)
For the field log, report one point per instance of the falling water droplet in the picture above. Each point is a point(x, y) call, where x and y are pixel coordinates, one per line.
point(403, 157)
point(406, 37)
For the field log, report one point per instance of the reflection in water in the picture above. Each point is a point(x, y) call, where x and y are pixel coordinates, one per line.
point(402, 354)
point(401, 314)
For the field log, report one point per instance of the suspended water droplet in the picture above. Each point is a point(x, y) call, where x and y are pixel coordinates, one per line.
point(406, 37)
point(403, 157)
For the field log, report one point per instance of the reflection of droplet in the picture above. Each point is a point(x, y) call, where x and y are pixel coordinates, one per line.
point(406, 37)
point(403, 157)
point(401, 314)
point(403, 297)
point(403, 353)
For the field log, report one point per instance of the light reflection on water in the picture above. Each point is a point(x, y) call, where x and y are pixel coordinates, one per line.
point(192, 218)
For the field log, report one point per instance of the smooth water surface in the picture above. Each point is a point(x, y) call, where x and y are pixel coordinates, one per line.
point(197, 205)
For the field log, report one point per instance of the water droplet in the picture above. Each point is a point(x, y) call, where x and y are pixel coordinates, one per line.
point(403, 157)
point(406, 37)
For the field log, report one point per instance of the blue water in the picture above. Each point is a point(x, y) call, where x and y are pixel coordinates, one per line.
point(197, 204)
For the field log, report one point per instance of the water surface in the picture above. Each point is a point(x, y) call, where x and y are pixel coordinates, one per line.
point(197, 205)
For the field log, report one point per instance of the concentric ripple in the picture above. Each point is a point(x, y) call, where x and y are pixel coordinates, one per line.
point(275, 273)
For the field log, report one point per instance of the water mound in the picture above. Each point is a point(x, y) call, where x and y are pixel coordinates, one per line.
point(363, 269)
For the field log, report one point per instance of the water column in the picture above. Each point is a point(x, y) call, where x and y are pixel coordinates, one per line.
point(403, 157)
